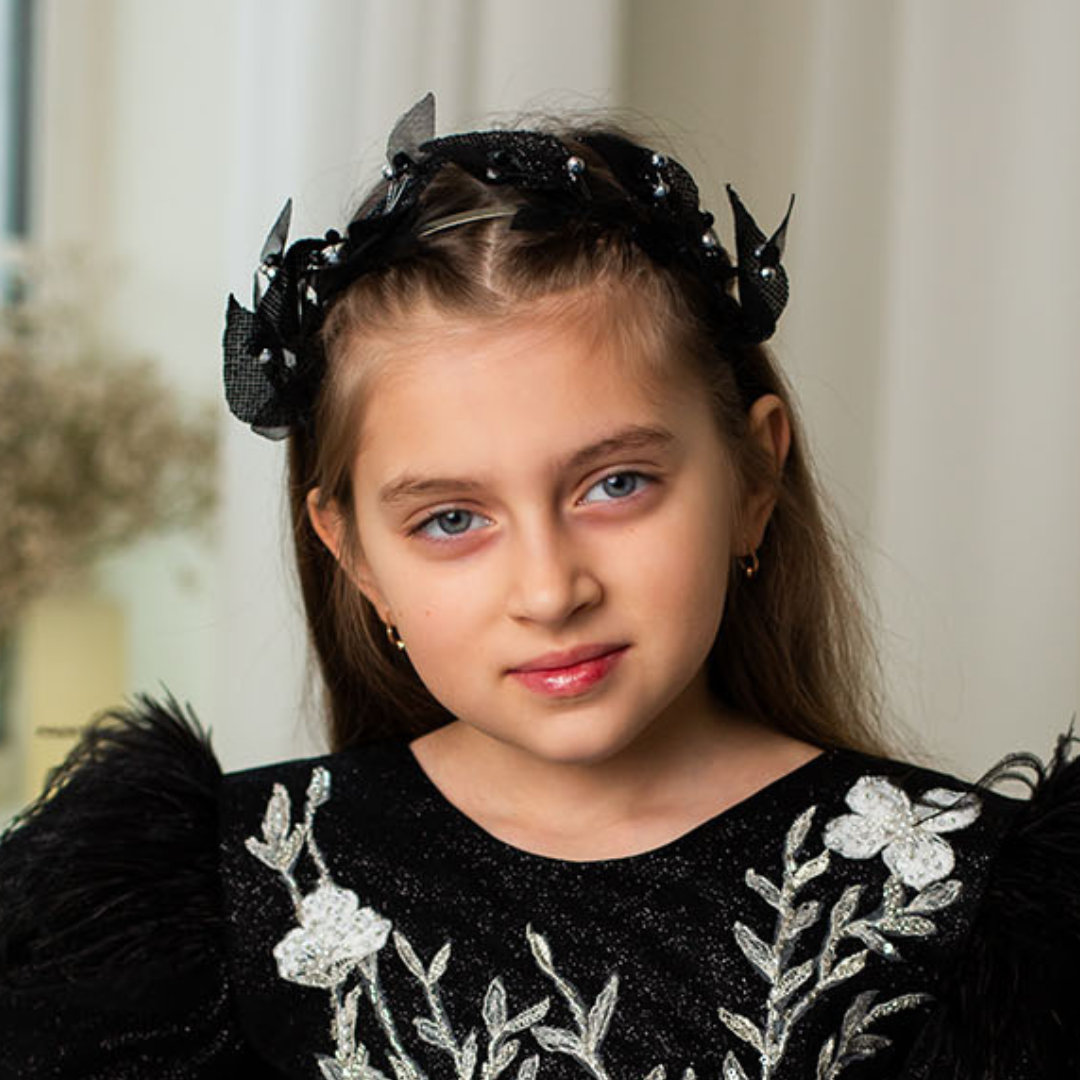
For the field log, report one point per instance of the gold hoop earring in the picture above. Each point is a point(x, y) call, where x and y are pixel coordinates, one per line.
point(393, 637)
point(749, 568)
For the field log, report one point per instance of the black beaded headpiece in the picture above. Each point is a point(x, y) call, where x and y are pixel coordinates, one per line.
point(273, 361)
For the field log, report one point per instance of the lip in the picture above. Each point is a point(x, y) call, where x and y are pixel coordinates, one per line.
point(554, 661)
point(573, 680)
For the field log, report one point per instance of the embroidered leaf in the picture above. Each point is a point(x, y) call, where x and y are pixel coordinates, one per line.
point(908, 925)
point(540, 948)
point(289, 850)
point(318, 791)
point(263, 852)
point(904, 1001)
point(797, 834)
point(792, 980)
point(658, 1073)
point(810, 870)
point(689, 1073)
point(893, 893)
point(856, 1014)
point(432, 1033)
point(756, 951)
point(330, 1069)
point(844, 908)
point(825, 1058)
point(600, 1013)
point(871, 938)
point(849, 966)
point(438, 965)
point(507, 1053)
point(468, 1057)
point(346, 1036)
point(408, 955)
point(278, 816)
point(763, 887)
point(746, 1031)
point(935, 897)
point(403, 1069)
point(281, 855)
point(863, 1046)
point(277, 849)
point(805, 916)
point(494, 1010)
point(732, 1069)
point(529, 1017)
point(558, 1040)
point(529, 1067)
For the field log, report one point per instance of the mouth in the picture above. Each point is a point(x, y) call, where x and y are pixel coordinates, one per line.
point(568, 658)
point(573, 679)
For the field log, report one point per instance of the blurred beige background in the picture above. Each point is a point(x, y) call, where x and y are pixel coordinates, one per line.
point(935, 152)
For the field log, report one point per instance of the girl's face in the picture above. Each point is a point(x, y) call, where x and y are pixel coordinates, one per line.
point(518, 492)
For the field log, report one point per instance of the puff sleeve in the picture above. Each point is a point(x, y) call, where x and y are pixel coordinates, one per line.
point(112, 929)
point(1011, 1009)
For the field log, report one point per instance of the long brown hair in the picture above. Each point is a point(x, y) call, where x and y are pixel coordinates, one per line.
point(794, 649)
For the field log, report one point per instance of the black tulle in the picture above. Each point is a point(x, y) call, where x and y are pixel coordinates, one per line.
point(1011, 1010)
point(111, 922)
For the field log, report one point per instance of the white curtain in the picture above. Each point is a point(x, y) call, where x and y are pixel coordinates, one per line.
point(934, 149)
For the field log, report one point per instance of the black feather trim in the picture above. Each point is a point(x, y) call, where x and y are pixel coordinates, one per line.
point(1011, 1010)
point(109, 880)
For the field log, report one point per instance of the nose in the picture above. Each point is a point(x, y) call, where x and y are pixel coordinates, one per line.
point(551, 578)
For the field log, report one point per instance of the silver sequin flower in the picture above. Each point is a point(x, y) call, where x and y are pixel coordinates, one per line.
point(906, 834)
point(335, 934)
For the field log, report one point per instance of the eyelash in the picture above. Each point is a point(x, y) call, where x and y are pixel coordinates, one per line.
point(451, 537)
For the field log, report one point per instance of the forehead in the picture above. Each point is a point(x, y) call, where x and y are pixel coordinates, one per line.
point(486, 394)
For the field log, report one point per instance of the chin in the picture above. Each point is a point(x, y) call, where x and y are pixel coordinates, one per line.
point(582, 745)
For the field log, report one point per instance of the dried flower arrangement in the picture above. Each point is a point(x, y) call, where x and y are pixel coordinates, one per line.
point(96, 450)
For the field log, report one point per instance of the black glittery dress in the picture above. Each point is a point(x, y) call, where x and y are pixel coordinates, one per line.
point(338, 919)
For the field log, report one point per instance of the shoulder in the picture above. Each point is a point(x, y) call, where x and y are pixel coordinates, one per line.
point(135, 798)
point(361, 799)
point(111, 921)
point(368, 772)
point(1008, 1007)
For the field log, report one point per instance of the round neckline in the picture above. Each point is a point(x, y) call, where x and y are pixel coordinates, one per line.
point(765, 794)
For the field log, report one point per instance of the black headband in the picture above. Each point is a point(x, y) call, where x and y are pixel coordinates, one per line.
point(273, 367)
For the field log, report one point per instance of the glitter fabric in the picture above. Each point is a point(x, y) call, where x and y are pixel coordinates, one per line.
point(816, 946)
point(368, 929)
point(748, 947)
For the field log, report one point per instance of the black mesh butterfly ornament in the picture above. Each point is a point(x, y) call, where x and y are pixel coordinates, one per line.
point(274, 362)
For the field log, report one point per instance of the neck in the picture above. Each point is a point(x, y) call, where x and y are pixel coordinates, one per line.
point(687, 757)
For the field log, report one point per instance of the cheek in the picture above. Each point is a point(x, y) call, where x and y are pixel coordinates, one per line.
point(442, 615)
point(688, 577)
point(689, 565)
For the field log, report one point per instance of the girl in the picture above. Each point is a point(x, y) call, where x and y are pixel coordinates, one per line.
point(607, 797)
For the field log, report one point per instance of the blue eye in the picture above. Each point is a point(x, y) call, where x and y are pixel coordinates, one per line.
point(616, 484)
point(455, 521)
point(452, 523)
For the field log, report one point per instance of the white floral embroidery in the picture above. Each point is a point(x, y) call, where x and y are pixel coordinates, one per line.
point(334, 935)
point(338, 944)
point(906, 834)
point(337, 948)
point(915, 855)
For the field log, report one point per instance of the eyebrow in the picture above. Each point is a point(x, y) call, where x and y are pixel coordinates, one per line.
point(634, 437)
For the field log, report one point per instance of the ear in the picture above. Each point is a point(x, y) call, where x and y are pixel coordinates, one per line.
point(770, 427)
point(330, 525)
